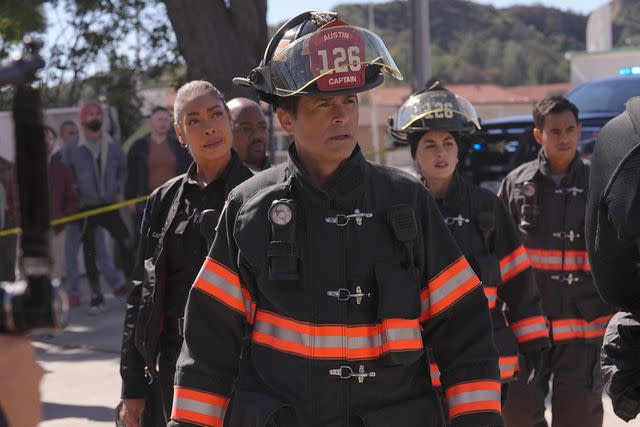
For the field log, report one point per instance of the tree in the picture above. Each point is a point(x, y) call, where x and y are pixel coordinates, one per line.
point(220, 40)
point(110, 47)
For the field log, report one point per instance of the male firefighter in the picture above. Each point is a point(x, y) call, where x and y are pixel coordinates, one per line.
point(613, 241)
point(250, 133)
point(547, 198)
point(329, 275)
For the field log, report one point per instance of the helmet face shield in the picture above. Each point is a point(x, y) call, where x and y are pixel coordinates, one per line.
point(337, 58)
point(435, 110)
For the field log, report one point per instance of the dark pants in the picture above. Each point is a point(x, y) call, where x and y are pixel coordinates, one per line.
point(577, 390)
point(112, 222)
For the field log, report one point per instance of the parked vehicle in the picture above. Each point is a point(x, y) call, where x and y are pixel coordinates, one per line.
point(505, 143)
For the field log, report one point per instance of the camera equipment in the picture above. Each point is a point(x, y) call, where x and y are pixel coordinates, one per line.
point(34, 301)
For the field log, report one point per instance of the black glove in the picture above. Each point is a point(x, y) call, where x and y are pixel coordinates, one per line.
point(534, 362)
point(627, 405)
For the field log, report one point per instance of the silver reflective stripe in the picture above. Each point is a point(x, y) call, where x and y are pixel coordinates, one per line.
point(450, 285)
point(222, 283)
point(579, 328)
point(529, 329)
point(337, 341)
point(508, 366)
point(545, 259)
point(474, 396)
point(198, 407)
point(576, 260)
point(504, 270)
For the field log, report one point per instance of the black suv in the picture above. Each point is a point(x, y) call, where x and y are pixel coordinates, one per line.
point(505, 143)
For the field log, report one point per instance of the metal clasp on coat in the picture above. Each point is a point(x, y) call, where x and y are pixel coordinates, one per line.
point(570, 278)
point(345, 372)
point(574, 191)
point(341, 220)
point(345, 294)
point(571, 235)
point(148, 376)
point(459, 220)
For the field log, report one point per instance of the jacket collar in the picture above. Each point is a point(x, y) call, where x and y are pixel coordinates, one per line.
point(105, 140)
point(454, 199)
point(545, 169)
point(342, 185)
point(233, 174)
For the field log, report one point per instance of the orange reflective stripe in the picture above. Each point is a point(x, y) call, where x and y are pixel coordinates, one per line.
point(568, 329)
point(555, 260)
point(530, 328)
point(491, 292)
point(508, 367)
point(514, 263)
point(336, 341)
point(198, 407)
point(474, 396)
point(221, 283)
point(435, 375)
point(447, 287)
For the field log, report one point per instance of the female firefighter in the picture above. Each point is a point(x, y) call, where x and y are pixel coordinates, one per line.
point(436, 123)
point(177, 229)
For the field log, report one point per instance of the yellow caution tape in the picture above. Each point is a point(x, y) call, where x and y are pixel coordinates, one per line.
point(81, 215)
point(116, 206)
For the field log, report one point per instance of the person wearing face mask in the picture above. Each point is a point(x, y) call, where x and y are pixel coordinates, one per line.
point(178, 224)
point(434, 123)
point(99, 167)
point(250, 133)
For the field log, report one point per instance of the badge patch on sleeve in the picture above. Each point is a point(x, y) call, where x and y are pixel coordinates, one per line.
point(338, 51)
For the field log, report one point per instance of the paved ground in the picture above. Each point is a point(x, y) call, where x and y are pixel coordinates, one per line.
point(82, 383)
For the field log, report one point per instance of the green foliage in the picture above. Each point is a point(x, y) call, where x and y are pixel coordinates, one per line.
point(18, 18)
point(105, 48)
point(474, 43)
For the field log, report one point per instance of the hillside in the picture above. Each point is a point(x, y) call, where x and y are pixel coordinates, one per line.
point(477, 43)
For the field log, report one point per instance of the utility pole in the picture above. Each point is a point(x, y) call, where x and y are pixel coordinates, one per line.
point(375, 138)
point(420, 43)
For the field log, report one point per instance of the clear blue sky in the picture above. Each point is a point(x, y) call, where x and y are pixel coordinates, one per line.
point(281, 10)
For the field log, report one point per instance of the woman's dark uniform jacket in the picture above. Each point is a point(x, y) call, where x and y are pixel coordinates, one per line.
point(153, 302)
point(307, 354)
point(613, 241)
point(488, 238)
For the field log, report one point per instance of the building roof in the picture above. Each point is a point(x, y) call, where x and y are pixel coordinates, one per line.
point(478, 93)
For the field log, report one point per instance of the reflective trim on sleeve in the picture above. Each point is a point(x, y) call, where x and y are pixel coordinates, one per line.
point(491, 292)
point(444, 290)
point(473, 397)
point(514, 263)
point(219, 282)
point(552, 260)
point(508, 367)
point(198, 407)
point(530, 328)
point(570, 329)
point(344, 342)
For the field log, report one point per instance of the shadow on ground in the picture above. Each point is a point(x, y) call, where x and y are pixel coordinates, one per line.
point(54, 411)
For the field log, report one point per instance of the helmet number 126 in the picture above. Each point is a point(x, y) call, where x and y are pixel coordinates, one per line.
point(343, 59)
